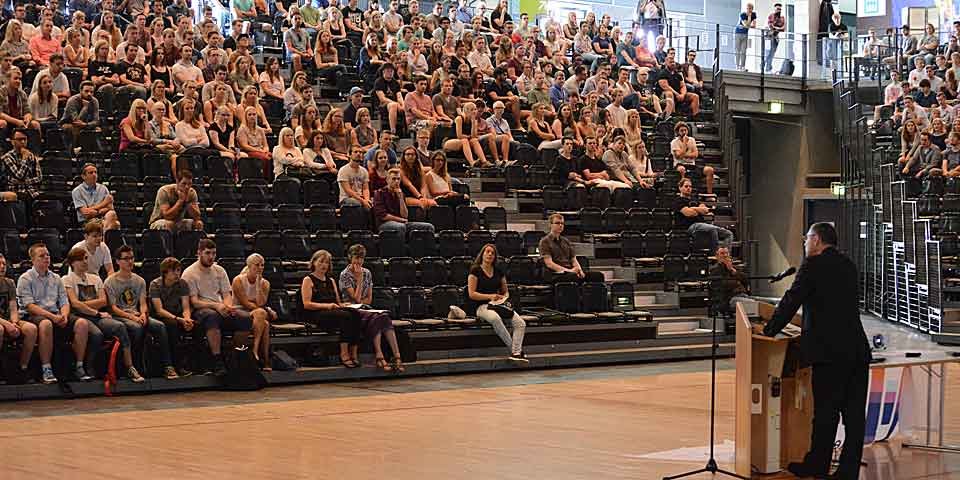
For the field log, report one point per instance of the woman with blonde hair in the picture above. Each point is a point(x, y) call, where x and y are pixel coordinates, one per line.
point(15, 46)
point(337, 135)
point(75, 54)
point(251, 98)
point(135, 129)
point(219, 100)
point(251, 292)
point(163, 135)
point(43, 102)
point(466, 138)
point(252, 140)
point(322, 308)
point(223, 138)
point(190, 130)
point(363, 134)
point(158, 92)
point(286, 154)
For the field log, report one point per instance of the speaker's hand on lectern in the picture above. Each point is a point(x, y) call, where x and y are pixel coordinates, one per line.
point(757, 328)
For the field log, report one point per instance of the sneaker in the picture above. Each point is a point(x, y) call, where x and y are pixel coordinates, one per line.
point(183, 373)
point(48, 376)
point(170, 373)
point(518, 359)
point(82, 374)
point(134, 375)
point(219, 369)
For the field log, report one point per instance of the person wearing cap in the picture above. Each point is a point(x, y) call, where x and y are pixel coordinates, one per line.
point(389, 96)
point(501, 90)
point(355, 102)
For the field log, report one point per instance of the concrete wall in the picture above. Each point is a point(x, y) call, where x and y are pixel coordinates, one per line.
point(778, 178)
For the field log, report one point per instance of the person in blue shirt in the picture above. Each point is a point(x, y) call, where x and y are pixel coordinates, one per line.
point(386, 143)
point(748, 20)
point(93, 201)
point(558, 94)
point(43, 300)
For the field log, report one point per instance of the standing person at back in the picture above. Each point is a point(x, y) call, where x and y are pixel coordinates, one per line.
point(748, 20)
point(833, 341)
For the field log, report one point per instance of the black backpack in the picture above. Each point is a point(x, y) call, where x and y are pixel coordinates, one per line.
point(787, 67)
point(243, 373)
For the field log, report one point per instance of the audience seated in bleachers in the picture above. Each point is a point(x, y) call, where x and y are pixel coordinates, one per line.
point(689, 216)
point(558, 256)
point(488, 295)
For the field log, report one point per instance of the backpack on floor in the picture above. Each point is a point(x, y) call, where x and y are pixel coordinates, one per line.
point(787, 68)
point(282, 361)
point(243, 373)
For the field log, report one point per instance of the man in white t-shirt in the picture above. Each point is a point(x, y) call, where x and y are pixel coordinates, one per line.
point(99, 252)
point(354, 181)
point(685, 154)
point(211, 297)
point(616, 114)
point(184, 70)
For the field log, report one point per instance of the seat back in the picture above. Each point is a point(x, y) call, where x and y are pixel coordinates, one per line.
point(392, 244)
point(523, 270)
point(468, 218)
point(422, 243)
point(442, 298)
point(621, 297)
point(365, 238)
point(566, 297)
point(591, 220)
point(296, 245)
point(615, 220)
point(476, 239)
point(459, 269)
point(631, 244)
point(433, 271)
point(268, 243)
point(331, 241)
point(442, 217)
point(290, 216)
point(412, 302)
point(402, 272)
point(495, 218)
point(257, 216)
point(286, 190)
point(593, 297)
point(322, 217)
point(231, 244)
point(451, 243)
point(509, 243)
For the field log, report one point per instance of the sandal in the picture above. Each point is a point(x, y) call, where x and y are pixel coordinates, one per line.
point(349, 363)
point(382, 364)
point(398, 365)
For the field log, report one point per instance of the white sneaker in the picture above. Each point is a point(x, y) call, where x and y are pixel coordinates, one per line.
point(134, 375)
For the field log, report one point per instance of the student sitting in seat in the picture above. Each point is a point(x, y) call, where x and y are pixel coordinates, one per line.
point(559, 258)
point(685, 154)
point(88, 300)
point(356, 283)
point(486, 293)
point(11, 327)
point(214, 307)
point(252, 292)
point(323, 309)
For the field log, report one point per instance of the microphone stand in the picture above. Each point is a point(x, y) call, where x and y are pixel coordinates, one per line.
point(711, 466)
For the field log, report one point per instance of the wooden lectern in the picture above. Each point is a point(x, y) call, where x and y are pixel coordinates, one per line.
point(774, 399)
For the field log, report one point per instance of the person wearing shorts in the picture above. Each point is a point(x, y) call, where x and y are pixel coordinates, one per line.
point(11, 327)
point(211, 297)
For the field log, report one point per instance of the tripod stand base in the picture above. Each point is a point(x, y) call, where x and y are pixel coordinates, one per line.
point(711, 467)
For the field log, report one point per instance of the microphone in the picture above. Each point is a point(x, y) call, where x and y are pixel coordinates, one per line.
point(784, 274)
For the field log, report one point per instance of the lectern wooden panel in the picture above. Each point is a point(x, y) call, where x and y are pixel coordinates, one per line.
point(773, 403)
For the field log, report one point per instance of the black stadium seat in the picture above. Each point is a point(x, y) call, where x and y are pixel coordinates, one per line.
point(286, 190)
point(296, 245)
point(268, 243)
point(331, 241)
point(323, 217)
point(291, 216)
point(433, 271)
point(422, 243)
point(231, 244)
point(402, 272)
point(509, 243)
point(468, 218)
point(476, 239)
point(392, 244)
point(631, 244)
point(365, 238)
point(441, 217)
point(451, 243)
point(156, 243)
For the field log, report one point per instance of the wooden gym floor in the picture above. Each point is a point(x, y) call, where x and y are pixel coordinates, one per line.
point(558, 424)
